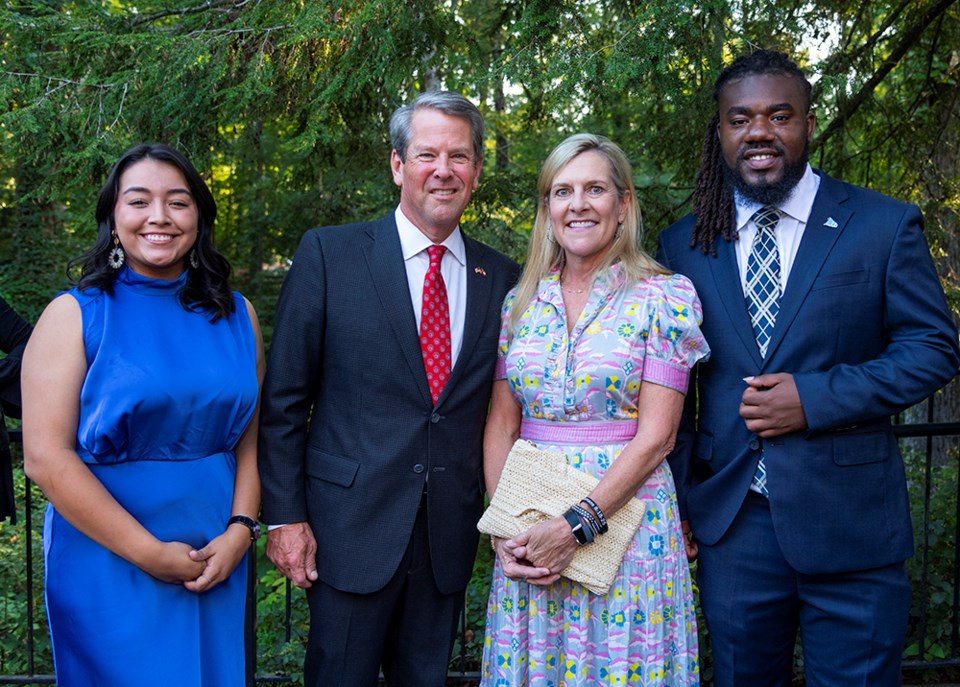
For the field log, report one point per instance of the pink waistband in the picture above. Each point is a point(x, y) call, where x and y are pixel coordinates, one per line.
point(586, 433)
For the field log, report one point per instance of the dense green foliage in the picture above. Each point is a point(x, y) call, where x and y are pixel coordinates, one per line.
point(284, 105)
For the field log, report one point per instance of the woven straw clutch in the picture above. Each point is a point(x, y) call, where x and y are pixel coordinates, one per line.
point(536, 485)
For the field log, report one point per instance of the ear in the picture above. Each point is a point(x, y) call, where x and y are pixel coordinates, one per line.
point(811, 125)
point(624, 204)
point(476, 179)
point(396, 167)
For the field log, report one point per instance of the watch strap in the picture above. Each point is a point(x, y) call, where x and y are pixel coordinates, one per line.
point(250, 523)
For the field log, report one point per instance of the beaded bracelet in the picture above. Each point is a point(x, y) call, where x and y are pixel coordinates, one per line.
point(599, 513)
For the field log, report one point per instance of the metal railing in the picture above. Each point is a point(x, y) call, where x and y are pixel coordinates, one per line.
point(925, 586)
point(930, 650)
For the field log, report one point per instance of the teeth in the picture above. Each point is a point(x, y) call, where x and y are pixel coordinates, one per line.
point(445, 191)
point(761, 157)
point(158, 238)
point(580, 224)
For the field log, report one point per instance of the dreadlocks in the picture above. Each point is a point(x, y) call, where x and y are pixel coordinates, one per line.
point(713, 203)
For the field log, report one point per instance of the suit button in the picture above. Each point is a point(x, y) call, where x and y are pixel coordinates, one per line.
point(418, 468)
point(435, 418)
point(754, 444)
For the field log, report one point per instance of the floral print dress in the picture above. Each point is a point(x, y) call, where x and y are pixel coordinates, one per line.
point(578, 393)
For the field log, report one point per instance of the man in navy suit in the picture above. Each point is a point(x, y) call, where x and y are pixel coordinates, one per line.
point(376, 392)
point(825, 316)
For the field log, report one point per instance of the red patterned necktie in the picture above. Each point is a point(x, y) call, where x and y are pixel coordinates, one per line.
point(435, 325)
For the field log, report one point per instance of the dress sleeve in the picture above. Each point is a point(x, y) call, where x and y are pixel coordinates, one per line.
point(675, 343)
point(500, 371)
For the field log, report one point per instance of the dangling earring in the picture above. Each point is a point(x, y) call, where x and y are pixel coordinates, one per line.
point(116, 257)
point(550, 237)
point(619, 230)
point(194, 260)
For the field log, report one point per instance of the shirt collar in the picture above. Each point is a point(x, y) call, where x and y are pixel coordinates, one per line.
point(413, 241)
point(797, 205)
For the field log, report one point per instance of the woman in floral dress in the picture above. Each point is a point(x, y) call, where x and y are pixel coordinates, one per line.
point(595, 354)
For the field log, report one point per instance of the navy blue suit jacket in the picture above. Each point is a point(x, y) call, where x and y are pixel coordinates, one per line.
point(865, 330)
point(348, 431)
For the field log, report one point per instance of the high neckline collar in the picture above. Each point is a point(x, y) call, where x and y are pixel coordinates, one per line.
point(149, 285)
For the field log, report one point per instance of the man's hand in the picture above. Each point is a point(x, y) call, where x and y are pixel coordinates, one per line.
point(770, 405)
point(293, 550)
point(689, 542)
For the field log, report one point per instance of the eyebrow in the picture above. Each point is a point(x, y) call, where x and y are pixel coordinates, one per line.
point(774, 107)
point(591, 182)
point(143, 189)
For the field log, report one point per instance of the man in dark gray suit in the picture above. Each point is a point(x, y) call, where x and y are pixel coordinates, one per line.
point(374, 402)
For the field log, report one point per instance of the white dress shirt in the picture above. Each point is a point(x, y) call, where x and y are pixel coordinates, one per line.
point(795, 211)
point(453, 269)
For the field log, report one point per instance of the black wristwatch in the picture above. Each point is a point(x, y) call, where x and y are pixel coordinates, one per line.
point(576, 527)
point(247, 522)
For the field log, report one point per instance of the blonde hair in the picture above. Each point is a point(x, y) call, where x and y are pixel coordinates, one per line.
point(544, 254)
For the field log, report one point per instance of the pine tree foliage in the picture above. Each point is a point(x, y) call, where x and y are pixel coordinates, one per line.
point(284, 106)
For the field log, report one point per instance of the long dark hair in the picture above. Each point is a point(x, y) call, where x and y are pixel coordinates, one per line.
point(207, 288)
point(713, 206)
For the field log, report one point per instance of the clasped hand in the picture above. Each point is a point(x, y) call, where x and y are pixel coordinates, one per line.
point(198, 570)
point(539, 554)
point(219, 558)
point(770, 405)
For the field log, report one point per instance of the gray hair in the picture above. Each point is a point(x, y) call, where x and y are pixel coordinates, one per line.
point(447, 102)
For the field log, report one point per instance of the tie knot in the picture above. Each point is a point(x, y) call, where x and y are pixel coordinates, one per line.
point(436, 253)
point(766, 217)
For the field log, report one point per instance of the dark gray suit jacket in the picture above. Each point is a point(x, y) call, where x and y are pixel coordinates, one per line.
point(348, 432)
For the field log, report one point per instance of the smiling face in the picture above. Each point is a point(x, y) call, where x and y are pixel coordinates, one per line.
point(155, 217)
point(765, 130)
point(585, 209)
point(440, 172)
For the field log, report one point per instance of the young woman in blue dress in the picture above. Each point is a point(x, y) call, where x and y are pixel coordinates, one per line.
point(140, 392)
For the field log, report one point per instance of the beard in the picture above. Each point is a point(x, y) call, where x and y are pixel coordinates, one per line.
point(772, 193)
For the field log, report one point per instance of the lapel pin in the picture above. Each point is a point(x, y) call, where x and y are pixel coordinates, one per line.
point(831, 222)
point(479, 270)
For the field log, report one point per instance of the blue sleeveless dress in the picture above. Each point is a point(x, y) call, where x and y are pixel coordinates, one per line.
point(166, 398)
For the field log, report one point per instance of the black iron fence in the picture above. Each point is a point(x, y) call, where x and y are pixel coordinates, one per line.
point(931, 452)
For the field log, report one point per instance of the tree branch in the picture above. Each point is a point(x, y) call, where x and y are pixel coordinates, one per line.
point(842, 60)
point(909, 38)
point(197, 9)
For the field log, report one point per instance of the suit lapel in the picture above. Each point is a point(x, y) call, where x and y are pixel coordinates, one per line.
point(479, 290)
point(824, 226)
point(726, 274)
point(389, 277)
